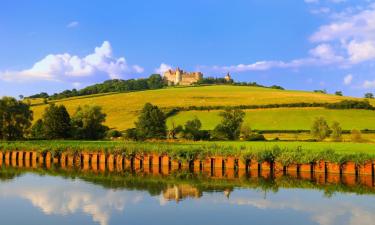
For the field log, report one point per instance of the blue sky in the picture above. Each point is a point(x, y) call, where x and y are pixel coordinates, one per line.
point(299, 44)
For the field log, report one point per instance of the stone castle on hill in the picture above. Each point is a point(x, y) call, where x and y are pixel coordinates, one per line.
point(180, 77)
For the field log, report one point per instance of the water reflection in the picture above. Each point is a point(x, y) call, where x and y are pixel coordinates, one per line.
point(182, 197)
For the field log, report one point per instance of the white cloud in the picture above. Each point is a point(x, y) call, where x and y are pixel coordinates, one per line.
point(354, 32)
point(361, 51)
point(348, 79)
point(72, 24)
point(325, 52)
point(62, 67)
point(162, 68)
point(367, 84)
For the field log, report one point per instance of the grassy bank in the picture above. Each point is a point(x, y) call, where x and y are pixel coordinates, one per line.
point(285, 152)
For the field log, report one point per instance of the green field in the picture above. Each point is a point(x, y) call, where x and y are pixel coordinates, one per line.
point(122, 108)
point(285, 118)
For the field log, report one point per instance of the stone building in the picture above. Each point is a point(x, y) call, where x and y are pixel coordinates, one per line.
point(180, 77)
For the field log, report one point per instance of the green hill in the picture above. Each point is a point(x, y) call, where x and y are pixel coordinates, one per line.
point(122, 108)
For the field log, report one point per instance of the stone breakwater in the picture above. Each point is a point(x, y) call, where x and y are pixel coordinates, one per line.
point(111, 161)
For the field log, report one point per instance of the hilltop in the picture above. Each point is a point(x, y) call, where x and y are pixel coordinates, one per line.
point(122, 108)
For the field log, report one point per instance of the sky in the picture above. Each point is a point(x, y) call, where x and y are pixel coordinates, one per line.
point(51, 46)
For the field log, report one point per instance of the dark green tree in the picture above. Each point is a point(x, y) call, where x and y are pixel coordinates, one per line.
point(192, 129)
point(320, 129)
point(15, 118)
point(155, 81)
point(369, 95)
point(37, 130)
point(56, 122)
point(230, 126)
point(174, 130)
point(338, 93)
point(87, 123)
point(151, 123)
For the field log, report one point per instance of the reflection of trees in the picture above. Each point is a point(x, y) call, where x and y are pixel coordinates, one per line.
point(199, 183)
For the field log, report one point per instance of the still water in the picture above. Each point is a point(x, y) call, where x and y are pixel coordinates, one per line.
point(53, 196)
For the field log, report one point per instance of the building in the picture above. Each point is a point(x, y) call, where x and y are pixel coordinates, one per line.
point(180, 77)
point(228, 78)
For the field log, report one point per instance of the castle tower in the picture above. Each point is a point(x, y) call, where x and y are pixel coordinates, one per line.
point(178, 76)
point(228, 77)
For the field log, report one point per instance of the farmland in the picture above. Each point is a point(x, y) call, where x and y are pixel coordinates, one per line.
point(122, 108)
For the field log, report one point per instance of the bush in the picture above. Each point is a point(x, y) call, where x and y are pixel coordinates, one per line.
point(113, 134)
point(356, 135)
point(192, 129)
point(255, 137)
point(351, 104)
point(131, 134)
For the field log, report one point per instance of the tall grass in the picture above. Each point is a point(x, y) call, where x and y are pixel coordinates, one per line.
point(284, 153)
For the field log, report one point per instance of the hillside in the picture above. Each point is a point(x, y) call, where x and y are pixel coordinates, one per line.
point(122, 108)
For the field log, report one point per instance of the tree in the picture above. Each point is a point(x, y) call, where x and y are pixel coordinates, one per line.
point(37, 130)
point(56, 122)
point(155, 81)
point(338, 93)
point(175, 130)
point(87, 123)
point(192, 129)
point(246, 131)
point(336, 131)
point(320, 129)
point(15, 118)
point(369, 95)
point(230, 126)
point(151, 123)
point(356, 135)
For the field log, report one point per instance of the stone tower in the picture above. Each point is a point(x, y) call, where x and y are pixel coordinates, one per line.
point(228, 77)
point(178, 76)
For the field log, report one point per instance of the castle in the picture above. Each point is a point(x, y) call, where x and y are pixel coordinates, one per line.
point(180, 77)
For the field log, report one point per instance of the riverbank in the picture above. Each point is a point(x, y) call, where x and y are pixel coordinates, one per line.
point(322, 157)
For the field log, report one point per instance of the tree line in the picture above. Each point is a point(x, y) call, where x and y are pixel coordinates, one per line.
point(151, 124)
point(155, 81)
point(56, 123)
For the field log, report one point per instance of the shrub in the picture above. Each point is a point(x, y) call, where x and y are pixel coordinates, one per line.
point(192, 129)
point(37, 130)
point(351, 104)
point(113, 134)
point(356, 135)
point(255, 137)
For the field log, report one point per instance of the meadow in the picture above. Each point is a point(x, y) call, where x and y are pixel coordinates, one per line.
point(284, 118)
point(122, 108)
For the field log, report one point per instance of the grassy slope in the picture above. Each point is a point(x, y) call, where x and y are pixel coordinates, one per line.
point(285, 118)
point(122, 108)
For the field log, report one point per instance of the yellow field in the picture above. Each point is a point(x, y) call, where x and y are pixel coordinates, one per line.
point(122, 108)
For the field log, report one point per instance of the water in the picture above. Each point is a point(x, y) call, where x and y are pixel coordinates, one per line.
point(55, 196)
